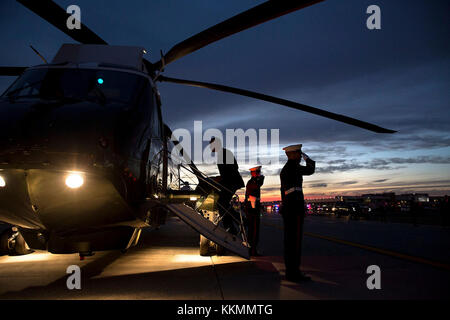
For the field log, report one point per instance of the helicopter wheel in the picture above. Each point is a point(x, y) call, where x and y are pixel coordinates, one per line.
point(21, 246)
point(205, 246)
point(10, 245)
point(220, 251)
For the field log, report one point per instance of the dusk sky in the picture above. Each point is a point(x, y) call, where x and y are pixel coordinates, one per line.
point(324, 56)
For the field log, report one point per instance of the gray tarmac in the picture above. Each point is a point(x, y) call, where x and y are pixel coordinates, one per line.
point(166, 265)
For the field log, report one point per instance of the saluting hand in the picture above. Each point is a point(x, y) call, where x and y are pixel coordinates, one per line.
point(305, 156)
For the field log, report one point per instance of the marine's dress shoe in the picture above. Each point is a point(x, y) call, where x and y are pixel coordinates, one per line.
point(297, 277)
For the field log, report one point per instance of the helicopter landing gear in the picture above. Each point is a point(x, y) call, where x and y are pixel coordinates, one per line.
point(205, 246)
point(12, 243)
point(208, 247)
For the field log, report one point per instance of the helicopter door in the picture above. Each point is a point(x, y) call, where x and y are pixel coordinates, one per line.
point(209, 230)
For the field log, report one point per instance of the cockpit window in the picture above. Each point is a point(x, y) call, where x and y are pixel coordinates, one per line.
point(83, 84)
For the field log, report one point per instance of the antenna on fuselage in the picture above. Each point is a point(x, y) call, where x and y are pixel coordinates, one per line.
point(37, 52)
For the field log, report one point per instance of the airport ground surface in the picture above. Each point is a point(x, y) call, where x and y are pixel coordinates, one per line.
point(414, 263)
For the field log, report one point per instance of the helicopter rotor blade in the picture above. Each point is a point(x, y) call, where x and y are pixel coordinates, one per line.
point(12, 71)
point(284, 102)
point(57, 16)
point(264, 12)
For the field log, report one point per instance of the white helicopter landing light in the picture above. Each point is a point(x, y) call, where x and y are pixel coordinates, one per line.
point(74, 180)
point(2, 182)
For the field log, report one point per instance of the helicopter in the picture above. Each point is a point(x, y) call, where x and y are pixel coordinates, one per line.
point(84, 151)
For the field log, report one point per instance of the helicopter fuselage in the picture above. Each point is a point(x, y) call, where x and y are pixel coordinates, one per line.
point(79, 158)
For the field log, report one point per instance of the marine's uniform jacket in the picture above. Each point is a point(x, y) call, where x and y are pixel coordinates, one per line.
point(291, 177)
point(253, 189)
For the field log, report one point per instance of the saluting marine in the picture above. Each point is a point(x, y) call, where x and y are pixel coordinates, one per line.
point(293, 209)
point(253, 207)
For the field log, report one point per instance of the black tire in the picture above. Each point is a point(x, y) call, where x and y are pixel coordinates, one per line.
point(204, 246)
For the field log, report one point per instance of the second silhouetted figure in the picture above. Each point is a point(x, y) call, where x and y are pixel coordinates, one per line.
point(253, 207)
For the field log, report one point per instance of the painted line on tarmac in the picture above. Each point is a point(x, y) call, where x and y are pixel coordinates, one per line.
point(217, 277)
point(373, 249)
